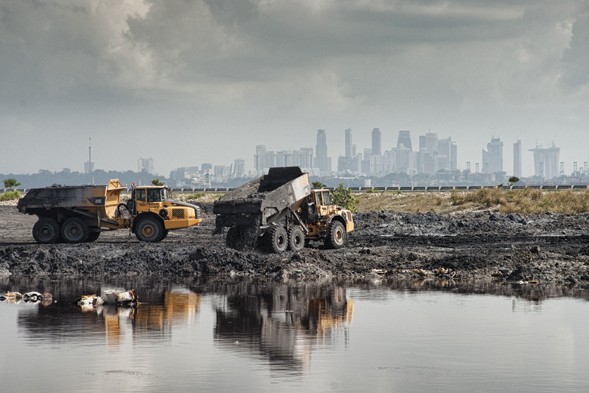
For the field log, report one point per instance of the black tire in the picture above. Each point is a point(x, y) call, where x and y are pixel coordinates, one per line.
point(276, 239)
point(164, 234)
point(149, 229)
point(93, 236)
point(74, 230)
point(336, 235)
point(46, 231)
point(296, 238)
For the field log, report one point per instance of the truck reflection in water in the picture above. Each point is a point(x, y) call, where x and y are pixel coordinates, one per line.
point(147, 320)
point(283, 323)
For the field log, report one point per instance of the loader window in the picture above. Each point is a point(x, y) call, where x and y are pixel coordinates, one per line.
point(139, 194)
point(154, 195)
point(325, 197)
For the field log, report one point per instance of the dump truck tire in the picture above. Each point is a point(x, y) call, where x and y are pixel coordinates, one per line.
point(336, 235)
point(46, 231)
point(277, 239)
point(149, 229)
point(93, 236)
point(74, 230)
point(296, 238)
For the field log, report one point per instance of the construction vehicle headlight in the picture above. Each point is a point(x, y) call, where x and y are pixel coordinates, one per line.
point(163, 213)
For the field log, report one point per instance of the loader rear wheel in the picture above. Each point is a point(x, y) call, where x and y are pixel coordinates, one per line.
point(336, 235)
point(46, 230)
point(277, 239)
point(74, 230)
point(296, 238)
point(149, 229)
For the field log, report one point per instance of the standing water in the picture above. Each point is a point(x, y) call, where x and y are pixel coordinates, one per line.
point(263, 337)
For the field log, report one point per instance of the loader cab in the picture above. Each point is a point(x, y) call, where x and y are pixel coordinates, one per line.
point(320, 201)
point(149, 194)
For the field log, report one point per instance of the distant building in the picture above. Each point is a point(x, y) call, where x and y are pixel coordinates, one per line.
point(321, 160)
point(404, 140)
point(493, 156)
point(238, 170)
point(264, 159)
point(376, 142)
point(517, 158)
point(348, 143)
point(546, 161)
point(145, 165)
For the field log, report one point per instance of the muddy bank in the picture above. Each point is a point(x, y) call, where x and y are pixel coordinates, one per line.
point(529, 250)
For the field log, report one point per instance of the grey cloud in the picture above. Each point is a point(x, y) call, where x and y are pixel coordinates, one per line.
point(575, 61)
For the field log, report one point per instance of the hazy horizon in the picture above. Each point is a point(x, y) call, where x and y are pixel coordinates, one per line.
point(206, 81)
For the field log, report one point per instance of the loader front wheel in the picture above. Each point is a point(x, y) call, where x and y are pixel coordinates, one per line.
point(149, 229)
point(277, 239)
point(296, 238)
point(336, 235)
point(74, 230)
point(46, 231)
point(93, 236)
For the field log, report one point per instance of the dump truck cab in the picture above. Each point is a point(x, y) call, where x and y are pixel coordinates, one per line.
point(154, 213)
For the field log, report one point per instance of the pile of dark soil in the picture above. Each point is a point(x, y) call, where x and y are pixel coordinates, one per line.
point(529, 250)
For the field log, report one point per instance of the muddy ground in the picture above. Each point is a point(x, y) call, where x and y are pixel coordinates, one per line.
point(530, 250)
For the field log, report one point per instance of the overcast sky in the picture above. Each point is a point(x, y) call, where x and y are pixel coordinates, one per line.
point(186, 82)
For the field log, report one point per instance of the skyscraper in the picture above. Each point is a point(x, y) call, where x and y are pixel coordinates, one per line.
point(493, 156)
point(404, 139)
point(376, 144)
point(517, 158)
point(321, 160)
point(348, 141)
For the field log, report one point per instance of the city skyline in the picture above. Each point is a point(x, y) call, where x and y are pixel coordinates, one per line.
point(207, 81)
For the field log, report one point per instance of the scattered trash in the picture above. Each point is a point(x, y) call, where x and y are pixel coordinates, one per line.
point(28, 297)
point(114, 297)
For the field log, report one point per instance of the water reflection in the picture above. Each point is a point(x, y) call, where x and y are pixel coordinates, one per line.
point(422, 335)
point(282, 322)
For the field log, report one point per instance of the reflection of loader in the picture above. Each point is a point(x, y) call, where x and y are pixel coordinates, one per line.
point(280, 211)
point(78, 214)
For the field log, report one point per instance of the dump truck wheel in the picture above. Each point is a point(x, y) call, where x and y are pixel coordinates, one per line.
point(164, 234)
point(296, 238)
point(149, 229)
point(74, 230)
point(93, 236)
point(277, 239)
point(336, 235)
point(46, 230)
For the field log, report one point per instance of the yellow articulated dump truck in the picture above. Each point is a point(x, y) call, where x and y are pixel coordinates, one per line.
point(77, 214)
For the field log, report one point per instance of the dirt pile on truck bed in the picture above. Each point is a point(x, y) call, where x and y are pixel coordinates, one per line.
point(545, 249)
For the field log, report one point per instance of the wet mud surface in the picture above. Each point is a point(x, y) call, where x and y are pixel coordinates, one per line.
point(548, 249)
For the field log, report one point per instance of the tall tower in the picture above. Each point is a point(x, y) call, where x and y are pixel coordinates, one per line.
point(89, 165)
point(493, 156)
point(348, 136)
point(321, 160)
point(376, 142)
point(404, 139)
point(517, 158)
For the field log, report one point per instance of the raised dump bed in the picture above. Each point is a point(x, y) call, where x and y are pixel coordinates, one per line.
point(279, 210)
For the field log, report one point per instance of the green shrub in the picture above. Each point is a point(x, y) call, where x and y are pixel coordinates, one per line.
point(343, 197)
point(9, 196)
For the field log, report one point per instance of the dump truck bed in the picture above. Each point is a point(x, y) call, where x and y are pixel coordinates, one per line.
point(105, 198)
point(279, 189)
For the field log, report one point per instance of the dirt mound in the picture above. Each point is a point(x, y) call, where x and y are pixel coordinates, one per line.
point(548, 248)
